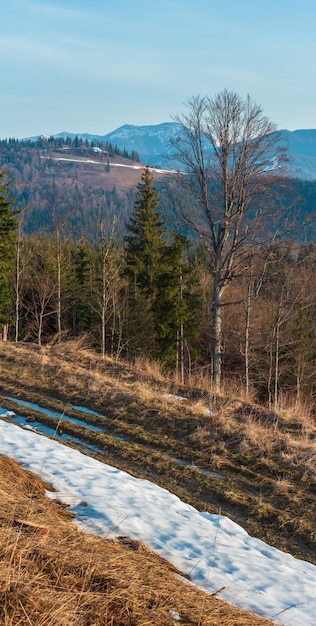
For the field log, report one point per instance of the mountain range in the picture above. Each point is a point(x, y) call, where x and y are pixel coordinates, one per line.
point(154, 148)
point(80, 181)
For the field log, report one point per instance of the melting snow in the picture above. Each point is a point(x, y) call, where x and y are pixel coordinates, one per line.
point(217, 553)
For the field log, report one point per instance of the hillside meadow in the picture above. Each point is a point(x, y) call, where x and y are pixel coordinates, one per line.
point(218, 453)
point(53, 574)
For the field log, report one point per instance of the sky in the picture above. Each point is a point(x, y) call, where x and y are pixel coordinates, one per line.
point(79, 66)
point(215, 552)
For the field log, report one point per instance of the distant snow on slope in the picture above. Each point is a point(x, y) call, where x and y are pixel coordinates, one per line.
point(153, 144)
point(111, 164)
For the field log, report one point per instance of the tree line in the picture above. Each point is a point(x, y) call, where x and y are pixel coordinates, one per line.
point(42, 187)
point(12, 148)
point(238, 303)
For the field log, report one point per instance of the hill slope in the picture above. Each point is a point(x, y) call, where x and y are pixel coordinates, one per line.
point(77, 187)
point(152, 143)
point(220, 453)
point(53, 574)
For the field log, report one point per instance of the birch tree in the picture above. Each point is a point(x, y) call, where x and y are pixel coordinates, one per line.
point(227, 147)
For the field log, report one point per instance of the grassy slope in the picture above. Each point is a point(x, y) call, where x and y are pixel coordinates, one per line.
point(51, 574)
point(268, 460)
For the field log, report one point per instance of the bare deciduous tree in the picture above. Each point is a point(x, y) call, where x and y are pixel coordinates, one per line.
point(230, 153)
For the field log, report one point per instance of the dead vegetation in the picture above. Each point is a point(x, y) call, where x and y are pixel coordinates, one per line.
point(255, 465)
point(52, 574)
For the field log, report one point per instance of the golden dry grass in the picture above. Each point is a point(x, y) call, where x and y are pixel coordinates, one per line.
point(268, 459)
point(51, 574)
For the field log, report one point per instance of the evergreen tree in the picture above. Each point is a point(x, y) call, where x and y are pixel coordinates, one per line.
point(158, 304)
point(8, 227)
point(170, 306)
point(144, 243)
point(84, 282)
point(144, 247)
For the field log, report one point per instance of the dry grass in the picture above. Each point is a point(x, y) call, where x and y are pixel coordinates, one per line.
point(147, 367)
point(51, 574)
point(284, 486)
point(268, 459)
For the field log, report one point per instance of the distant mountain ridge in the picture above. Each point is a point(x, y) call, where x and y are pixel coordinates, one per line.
point(301, 148)
point(154, 148)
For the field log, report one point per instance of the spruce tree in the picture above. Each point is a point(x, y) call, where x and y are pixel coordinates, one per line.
point(144, 243)
point(170, 306)
point(8, 228)
point(158, 307)
point(175, 303)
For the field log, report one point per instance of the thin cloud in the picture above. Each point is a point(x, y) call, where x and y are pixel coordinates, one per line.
point(53, 11)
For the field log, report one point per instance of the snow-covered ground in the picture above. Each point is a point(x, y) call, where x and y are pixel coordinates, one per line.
point(128, 166)
point(216, 553)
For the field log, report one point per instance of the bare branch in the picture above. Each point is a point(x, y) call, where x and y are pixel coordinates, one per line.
point(230, 154)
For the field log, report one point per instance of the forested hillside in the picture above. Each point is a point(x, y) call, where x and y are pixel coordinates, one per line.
point(77, 184)
point(70, 182)
point(134, 299)
point(102, 249)
point(269, 327)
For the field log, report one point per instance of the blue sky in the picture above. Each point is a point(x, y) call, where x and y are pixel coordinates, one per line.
point(94, 65)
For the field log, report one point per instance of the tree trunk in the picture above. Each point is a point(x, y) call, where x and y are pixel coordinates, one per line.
point(5, 328)
point(276, 365)
point(180, 354)
point(58, 285)
point(104, 302)
point(40, 329)
point(216, 351)
point(247, 329)
point(180, 337)
point(113, 328)
point(17, 286)
point(103, 332)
